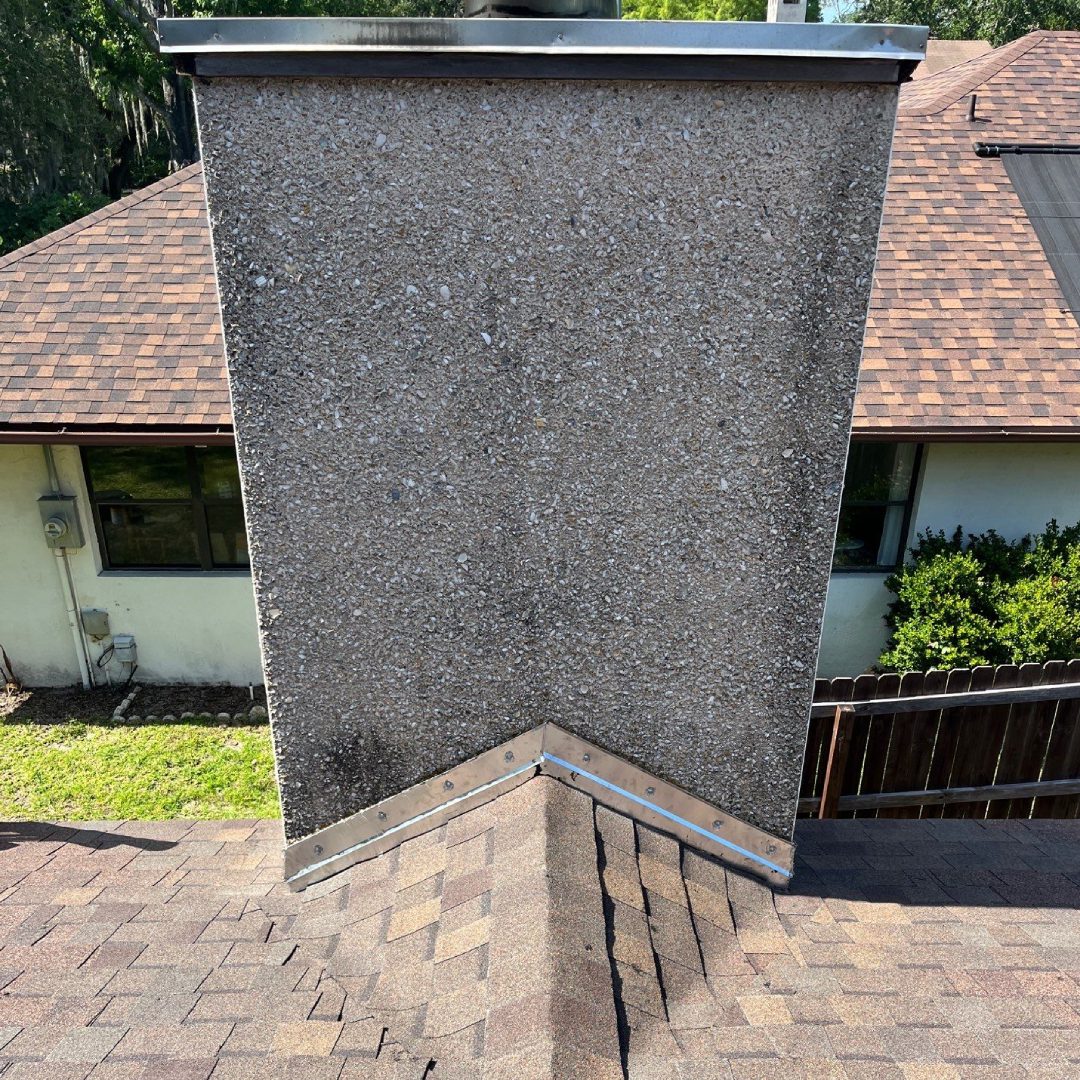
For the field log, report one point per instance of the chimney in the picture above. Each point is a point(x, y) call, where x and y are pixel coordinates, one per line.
point(786, 11)
point(542, 399)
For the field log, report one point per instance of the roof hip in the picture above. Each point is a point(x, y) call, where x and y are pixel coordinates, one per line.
point(937, 92)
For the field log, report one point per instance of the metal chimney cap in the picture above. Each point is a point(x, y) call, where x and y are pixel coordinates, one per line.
point(544, 48)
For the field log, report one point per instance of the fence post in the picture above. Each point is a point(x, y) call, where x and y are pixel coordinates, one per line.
point(835, 766)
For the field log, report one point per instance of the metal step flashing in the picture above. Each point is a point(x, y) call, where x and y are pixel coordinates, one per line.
point(546, 750)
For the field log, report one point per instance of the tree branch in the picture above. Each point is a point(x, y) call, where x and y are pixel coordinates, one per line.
point(158, 107)
point(147, 30)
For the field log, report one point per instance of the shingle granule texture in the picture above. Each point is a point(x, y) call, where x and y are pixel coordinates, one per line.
point(540, 936)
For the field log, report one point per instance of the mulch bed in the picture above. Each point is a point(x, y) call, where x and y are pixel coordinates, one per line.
point(51, 705)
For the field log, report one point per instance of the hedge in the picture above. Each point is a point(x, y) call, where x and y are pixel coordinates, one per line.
point(970, 599)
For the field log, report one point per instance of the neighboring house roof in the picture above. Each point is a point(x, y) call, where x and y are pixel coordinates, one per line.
point(969, 332)
point(113, 320)
point(942, 54)
point(540, 936)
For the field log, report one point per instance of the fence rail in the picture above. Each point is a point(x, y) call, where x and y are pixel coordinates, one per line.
point(979, 742)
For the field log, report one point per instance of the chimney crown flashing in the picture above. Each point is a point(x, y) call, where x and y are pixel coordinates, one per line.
point(543, 48)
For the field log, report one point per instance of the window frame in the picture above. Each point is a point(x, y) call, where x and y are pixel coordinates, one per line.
point(907, 503)
point(198, 503)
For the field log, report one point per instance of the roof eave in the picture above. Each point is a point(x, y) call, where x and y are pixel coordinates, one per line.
point(118, 434)
point(908, 432)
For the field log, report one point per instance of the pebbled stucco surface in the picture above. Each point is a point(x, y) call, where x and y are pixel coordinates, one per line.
point(542, 393)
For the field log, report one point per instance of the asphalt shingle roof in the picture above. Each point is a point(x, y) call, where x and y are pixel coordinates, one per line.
point(942, 54)
point(113, 320)
point(540, 936)
point(968, 330)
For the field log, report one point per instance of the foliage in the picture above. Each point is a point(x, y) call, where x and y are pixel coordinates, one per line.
point(706, 10)
point(90, 770)
point(1040, 615)
point(51, 121)
point(996, 21)
point(90, 109)
point(981, 599)
point(22, 222)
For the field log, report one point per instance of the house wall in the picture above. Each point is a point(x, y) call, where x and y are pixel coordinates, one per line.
point(1015, 488)
point(189, 627)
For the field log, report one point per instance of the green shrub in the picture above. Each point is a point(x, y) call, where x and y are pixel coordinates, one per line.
point(944, 614)
point(982, 599)
point(1040, 616)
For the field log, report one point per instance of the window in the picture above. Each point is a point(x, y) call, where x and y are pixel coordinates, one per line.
point(167, 507)
point(875, 510)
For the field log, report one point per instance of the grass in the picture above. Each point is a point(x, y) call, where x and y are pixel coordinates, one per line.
point(98, 770)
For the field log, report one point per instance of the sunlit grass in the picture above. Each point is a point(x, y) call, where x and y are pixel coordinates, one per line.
point(84, 771)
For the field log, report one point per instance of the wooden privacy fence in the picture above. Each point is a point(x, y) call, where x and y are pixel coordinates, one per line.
point(985, 742)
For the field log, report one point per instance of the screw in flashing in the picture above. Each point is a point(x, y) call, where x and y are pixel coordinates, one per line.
point(508, 756)
point(771, 849)
point(650, 791)
point(584, 757)
point(382, 815)
point(317, 849)
point(717, 824)
point(449, 785)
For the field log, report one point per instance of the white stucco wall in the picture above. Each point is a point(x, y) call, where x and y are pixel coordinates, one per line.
point(200, 627)
point(854, 631)
point(1015, 488)
point(188, 627)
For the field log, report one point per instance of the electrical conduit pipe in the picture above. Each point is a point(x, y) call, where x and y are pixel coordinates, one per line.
point(67, 584)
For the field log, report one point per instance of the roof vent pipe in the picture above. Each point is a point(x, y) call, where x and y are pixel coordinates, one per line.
point(786, 11)
point(545, 9)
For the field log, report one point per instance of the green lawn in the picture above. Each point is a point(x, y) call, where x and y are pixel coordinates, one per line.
point(91, 771)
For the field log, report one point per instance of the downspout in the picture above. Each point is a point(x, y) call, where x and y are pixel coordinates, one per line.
point(67, 584)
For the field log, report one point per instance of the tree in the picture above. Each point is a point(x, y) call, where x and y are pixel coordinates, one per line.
point(51, 123)
point(996, 21)
point(89, 108)
point(708, 10)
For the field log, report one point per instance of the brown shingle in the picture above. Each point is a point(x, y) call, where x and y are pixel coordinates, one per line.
point(872, 966)
point(968, 329)
point(113, 319)
point(942, 54)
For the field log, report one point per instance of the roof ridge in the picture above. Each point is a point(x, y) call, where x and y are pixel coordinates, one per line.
point(43, 243)
point(980, 69)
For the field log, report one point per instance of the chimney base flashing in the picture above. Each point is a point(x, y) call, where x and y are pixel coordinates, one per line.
point(546, 750)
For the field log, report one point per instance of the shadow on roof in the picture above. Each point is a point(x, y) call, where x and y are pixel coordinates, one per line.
point(938, 861)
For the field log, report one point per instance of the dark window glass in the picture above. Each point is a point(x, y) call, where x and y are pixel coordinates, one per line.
point(875, 511)
point(144, 534)
point(228, 538)
point(218, 475)
point(167, 507)
point(136, 472)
